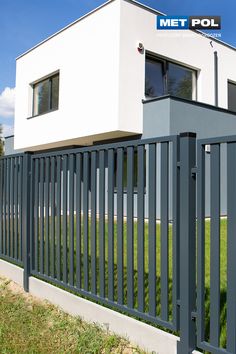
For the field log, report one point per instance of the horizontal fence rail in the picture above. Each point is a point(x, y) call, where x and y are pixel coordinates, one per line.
point(11, 196)
point(95, 229)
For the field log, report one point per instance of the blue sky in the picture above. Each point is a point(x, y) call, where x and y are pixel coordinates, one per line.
point(24, 23)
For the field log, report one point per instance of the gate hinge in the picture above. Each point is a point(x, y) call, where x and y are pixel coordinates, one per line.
point(193, 315)
point(178, 164)
point(194, 172)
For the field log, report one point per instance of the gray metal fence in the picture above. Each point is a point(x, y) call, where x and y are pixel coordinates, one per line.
point(106, 257)
point(219, 161)
point(11, 197)
point(117, 223)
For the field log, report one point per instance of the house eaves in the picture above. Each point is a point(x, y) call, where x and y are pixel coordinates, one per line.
point(134, 2)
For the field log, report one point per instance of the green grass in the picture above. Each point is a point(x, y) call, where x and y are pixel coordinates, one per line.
point(223, 264)
point(31, 326)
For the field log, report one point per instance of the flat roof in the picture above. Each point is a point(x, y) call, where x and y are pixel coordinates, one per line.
point(137, 3)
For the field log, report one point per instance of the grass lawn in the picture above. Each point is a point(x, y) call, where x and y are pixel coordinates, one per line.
point(223, 265)
point(28, 325)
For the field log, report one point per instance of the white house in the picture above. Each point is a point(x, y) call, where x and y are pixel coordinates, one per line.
point(87, 82)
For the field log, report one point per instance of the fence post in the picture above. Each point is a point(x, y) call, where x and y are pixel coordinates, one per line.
point(26, 218)
point(187, 243)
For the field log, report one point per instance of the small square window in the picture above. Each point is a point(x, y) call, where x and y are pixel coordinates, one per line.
point(46, 95)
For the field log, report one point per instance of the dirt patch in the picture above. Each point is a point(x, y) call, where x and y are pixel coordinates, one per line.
point(16, 289)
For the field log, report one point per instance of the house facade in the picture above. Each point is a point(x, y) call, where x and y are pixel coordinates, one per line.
point(113, 75)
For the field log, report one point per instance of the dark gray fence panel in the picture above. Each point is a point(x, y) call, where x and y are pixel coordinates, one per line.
point(209, 339)
point(111, 258)
point(231, 249)
point(11, 196)
point(88, 232)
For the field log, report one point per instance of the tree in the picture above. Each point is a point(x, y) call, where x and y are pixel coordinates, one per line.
point(1, 142)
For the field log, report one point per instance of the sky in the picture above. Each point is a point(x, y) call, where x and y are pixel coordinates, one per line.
point(24, 23)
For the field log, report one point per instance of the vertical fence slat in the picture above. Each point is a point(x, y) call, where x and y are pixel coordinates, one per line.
point(17, 210)
point(42, 215)
point(231, 247)
point(140, 227)
point(164, 231)
point(130, 227)
point(8, 206)
point(36, 214)
point(47, 191)
point(111, 224)
point(102, 223)
point(1, 205)
point(58, 224)
point(152, 230)
point(175, 232)
point(15, 202)
point(20, 206)
point(65, 195)
point(86, 219)
point(94, 222)
point(31, 214)
point(120, 225)
point(215, 246)
point(12, 235)
point(52, 214)
point(71, 217)
point(4, 206)
point(201, 243)
point(26, 218)
point(78, 219)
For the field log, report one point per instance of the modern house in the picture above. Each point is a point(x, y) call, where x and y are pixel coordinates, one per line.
point(112, 75)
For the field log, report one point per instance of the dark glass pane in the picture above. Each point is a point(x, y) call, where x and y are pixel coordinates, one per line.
point(180, 81)
point(41, 97)
point(55, 92)
point(154, 82)
point(232, 97)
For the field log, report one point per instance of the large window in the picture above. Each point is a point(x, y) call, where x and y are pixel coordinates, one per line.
point(232, 96)
point(46, 95)
point(163, 77)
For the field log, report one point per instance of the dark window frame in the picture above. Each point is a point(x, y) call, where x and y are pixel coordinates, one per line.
point(49, 78)
point(165, 64)
point(233, 83)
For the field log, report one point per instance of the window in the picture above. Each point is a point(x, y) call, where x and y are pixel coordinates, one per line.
point(232, 96)
point(163, 77)
point(46, 95)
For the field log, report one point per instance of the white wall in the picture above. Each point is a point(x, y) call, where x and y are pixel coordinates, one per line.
point(87, 55)
point(102, 76)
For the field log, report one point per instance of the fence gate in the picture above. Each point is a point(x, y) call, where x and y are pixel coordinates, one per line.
point(216, 281)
